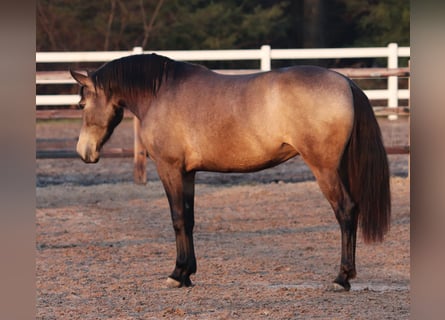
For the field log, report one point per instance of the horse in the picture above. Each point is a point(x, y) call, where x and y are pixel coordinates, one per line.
point(194, 119)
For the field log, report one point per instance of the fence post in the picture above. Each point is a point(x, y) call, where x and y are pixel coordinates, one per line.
point(393, 62)
point(265, 58)
point(140, 154)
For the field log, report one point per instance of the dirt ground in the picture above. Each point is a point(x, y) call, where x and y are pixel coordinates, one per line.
point(267, 243)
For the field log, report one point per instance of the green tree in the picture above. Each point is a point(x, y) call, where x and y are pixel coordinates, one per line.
point(219, 24)
point(158, 24)
point(379, 22)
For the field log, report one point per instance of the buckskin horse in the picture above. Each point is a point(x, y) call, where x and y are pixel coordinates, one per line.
point(193, 119)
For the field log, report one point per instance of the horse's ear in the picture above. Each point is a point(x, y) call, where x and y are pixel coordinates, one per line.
point(81, 78)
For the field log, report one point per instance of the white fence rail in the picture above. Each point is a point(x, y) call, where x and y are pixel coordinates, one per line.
point(265, 55)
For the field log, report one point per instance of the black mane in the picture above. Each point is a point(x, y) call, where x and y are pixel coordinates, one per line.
point(135, 75)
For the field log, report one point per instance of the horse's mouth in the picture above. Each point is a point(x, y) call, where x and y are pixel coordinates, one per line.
point(89, 159)
point(88, 155)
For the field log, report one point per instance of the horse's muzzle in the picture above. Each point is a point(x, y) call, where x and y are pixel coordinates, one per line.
point(90, 159)
point(87, 154)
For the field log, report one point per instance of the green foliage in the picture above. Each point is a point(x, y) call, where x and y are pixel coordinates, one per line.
point(380, 22)
point(218, 25)
point(205, 24)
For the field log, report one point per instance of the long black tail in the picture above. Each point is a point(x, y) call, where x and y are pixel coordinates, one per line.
point(365, 163)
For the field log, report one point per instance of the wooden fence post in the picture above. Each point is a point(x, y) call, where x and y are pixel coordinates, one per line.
point(393, 87)
point(265, 58)
point(140, 155)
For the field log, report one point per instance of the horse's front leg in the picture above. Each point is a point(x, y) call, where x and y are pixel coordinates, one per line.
point(180, 189)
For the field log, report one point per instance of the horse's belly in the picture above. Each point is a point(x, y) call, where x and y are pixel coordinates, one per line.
point(246, 159)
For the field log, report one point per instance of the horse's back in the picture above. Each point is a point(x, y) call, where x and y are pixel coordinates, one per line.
point(311, 87)
point(246, 123)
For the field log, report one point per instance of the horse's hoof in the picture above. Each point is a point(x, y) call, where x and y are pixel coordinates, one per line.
point(172, 283)
point(188, 283)
point(343, 282)
point(335, 287)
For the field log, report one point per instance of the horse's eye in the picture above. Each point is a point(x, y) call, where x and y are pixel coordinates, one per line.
point(81, 105)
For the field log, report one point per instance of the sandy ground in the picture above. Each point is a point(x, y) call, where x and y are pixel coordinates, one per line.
point(267, 243)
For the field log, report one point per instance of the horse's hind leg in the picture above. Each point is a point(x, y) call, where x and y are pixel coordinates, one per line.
point(180, 189)
point(345, 211)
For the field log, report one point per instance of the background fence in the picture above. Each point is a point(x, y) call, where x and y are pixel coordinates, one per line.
point(265, 55)
point(57, 105)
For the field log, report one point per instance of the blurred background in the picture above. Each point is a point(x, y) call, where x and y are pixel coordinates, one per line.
point(82, 25)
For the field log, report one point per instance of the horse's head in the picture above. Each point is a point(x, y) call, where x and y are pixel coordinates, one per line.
point(101, 114)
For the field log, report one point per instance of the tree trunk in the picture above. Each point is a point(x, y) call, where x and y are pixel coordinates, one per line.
point(314, 18)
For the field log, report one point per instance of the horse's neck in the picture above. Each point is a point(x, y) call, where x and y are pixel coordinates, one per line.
point(138, 108)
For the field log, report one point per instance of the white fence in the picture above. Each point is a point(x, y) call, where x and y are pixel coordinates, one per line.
point(265, 55)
